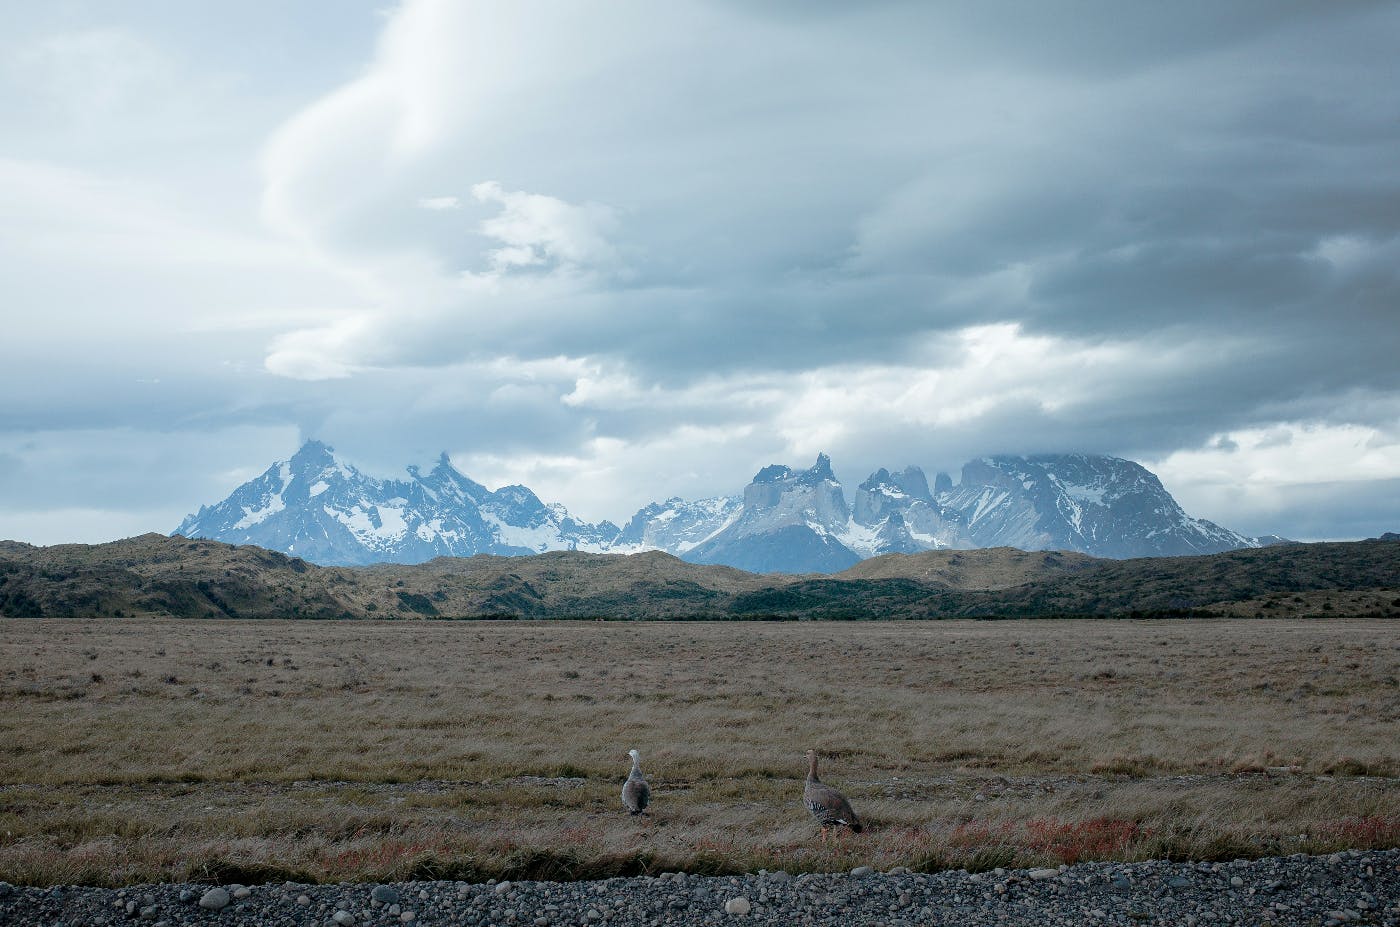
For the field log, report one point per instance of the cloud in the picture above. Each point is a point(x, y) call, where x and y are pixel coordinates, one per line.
point(1040, 262)
point(543, 230)
point(1293, 478)
point(562, 243)
point(94, 74)
point(86, 485)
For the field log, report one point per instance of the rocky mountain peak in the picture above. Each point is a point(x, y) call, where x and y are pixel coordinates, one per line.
point(326, 511)
point(773, 473)
point(821, 469)
point(312, 455)
point(880, 477)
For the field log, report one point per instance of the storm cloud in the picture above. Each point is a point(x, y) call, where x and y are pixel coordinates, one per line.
point(624, 251)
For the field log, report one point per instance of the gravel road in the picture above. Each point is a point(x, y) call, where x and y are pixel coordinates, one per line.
point(1346, 888)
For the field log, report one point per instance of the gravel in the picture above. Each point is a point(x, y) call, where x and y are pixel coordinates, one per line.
point(1354, 887)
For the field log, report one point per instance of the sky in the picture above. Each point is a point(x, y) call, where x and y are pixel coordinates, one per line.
point(624, 251)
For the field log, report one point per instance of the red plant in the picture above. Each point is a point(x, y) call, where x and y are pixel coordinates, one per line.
point(1071, 841)
point(1377, 830)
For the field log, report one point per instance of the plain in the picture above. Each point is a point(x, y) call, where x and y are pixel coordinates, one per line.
point(139, 750)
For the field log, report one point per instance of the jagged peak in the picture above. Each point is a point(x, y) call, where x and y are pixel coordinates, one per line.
point(776, 473)
point(773, 473)
point(912, 480)
point(314, 452)
point(880, 477)
point(516, 492)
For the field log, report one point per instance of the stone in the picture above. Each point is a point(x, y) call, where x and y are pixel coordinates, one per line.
point(1178, 882)
point(343, 918)
point(738, 905)
point(502, 887)
point(384, 894)
point(1041, 875)
point(303, 899)
point(186, 896)
point(216, 899)
point(1236, 881)
point(241, 891)
point(407, 916)
point(862, 871)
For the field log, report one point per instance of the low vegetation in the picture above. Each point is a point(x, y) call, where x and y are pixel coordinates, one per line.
point(134, 750)
point(157, 576)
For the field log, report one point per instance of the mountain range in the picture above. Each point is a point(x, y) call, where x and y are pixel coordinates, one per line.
point(319, 508)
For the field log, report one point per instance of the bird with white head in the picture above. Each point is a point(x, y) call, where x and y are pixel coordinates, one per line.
point(636, 794)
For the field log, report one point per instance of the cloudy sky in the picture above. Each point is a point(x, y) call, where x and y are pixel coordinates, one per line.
point(619, 251)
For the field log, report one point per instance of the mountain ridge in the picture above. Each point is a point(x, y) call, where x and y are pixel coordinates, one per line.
point(158, 575)
point(786, 520)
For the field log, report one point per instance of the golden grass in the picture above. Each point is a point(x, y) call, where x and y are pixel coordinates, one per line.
point(145, 750)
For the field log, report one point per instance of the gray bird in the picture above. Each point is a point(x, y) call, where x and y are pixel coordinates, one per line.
point(827, 805)
point(636, 794)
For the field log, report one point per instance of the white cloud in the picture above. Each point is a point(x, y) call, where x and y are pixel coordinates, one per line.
point(544, 230)
point(608, 478)
point(1244, 474)
point(316, 353)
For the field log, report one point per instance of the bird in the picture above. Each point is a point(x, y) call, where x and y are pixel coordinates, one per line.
point(827, 805)
point(636, 794)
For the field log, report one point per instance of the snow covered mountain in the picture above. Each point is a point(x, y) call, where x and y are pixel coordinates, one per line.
point(677, 526)
point(897, 514)
point(318, 508)
point(792, 521)
point(1104, 506)
point(796, 521)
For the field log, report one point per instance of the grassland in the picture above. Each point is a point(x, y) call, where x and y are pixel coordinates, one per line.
point(153, 576)
point(134, 750)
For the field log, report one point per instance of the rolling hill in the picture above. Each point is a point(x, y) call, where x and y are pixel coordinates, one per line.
point(186, 578)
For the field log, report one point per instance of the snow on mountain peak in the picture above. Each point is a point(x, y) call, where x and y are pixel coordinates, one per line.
point(786, 519)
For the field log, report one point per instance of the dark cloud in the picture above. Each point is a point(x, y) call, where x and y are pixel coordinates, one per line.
point(728, 233)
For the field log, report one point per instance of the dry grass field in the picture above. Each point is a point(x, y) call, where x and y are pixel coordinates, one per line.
point(150, 750)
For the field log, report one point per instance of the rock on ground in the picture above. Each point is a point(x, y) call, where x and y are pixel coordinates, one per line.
point(1355, 887)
